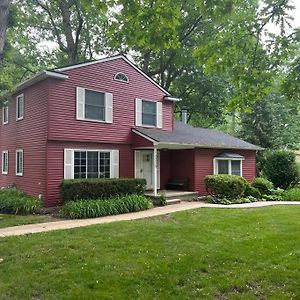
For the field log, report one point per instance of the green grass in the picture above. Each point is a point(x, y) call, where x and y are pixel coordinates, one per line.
point(201, 254)
point(15, 220)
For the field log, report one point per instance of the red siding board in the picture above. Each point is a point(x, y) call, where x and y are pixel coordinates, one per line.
point(140, 142)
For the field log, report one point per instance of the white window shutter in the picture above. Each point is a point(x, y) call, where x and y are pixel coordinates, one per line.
point(138, 112)
point(80, 99)
point(68, 164)
point(159, 114)
point(108, 107)
point(137, 164)
point(115, 163)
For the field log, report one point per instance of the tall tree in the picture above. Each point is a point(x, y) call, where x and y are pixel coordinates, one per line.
point(4, 17)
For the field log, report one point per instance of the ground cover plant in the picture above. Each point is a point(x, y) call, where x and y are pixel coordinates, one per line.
point(16, 202)
point(292, 194)
point(200, 254)
point(104, 207)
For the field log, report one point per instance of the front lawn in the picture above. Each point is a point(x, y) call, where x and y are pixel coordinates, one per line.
point(200, 254)
point(15, 220)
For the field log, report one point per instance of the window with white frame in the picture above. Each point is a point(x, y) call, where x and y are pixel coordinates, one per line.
point(121, 77)
point(5, 162)
point(20, 107)
point(148, 113)
point(19, 162)
point(228, 163)
point(94, 105)
point(5, 114)
point(91, 163)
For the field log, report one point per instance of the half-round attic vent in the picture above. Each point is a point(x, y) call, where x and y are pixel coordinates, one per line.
point(121, 77)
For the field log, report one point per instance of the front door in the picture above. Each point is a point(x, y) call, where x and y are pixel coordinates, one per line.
point(144, 167)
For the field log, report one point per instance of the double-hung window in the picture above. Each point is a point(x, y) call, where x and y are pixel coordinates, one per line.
point(228, 163)
point(94, 105)
point(5, 162)
point(91, 163)
point(20, 107)
point(19, 162)
point(148, 113)
point(5, 114)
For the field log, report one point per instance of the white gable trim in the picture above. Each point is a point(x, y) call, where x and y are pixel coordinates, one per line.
point(102, 60)
point(145, 136)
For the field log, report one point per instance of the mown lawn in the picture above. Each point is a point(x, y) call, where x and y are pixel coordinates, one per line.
point(201, 254)
point(15, 220)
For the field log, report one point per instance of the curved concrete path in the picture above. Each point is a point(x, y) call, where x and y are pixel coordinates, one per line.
point(157, 211)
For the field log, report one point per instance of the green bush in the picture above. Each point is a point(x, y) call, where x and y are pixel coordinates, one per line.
point(225, 186)
point(160, 200)
point(264, 186)
point(103, 188)
point(15, 202)
point(281, 168)
point(252, 191)
point(98, 208)
point(291, 195)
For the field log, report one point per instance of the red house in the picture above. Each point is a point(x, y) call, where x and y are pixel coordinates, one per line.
point(107, 118)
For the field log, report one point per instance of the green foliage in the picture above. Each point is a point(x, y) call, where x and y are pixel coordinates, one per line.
point(15, 202)
point(78, 189)
point(227, 186)
point(280, 167)
point(160, 200)
point(252, 191)
point(292, 194)
point(263, 185)
point(99, 208)
point(225, 201)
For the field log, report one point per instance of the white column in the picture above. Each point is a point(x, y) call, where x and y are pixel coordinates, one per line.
point(155, 171)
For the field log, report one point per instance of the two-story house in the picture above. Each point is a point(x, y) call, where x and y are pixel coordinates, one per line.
point(107, 118)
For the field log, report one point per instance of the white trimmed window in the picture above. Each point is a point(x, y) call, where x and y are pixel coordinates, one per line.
point(5, 114)
point(91, 163)
point(229, 163)
point(148, 113)
point(20, 107)
point(19, 162)
point(94, 105)
point(5, 162)
point(121, 77)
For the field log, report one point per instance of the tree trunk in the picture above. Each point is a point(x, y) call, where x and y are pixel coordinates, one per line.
point(4, 13)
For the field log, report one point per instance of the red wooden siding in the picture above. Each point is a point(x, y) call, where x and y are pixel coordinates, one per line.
point(55, 165)
point(204, 165)
point(165, 168)
point(63, 124)
point(30, 135)
point(140, 142)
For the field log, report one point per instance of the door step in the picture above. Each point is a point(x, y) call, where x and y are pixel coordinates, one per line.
point(172, 201)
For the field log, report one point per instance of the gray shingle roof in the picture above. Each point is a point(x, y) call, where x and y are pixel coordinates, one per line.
point(199, 137)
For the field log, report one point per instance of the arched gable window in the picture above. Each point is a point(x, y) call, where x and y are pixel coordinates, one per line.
point(121, 77)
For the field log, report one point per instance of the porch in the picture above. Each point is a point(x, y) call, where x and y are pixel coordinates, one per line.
point(173, 196)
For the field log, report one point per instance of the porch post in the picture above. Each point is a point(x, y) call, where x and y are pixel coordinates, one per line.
point(155, 171)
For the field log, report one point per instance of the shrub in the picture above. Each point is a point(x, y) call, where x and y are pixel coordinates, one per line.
point(252, 191)
point(264, 186)
point(15, 202)
point(98, 208)
point(103, 188)
point(292, 195)
point(160, 200)
point(280, 167)
point(225, 186)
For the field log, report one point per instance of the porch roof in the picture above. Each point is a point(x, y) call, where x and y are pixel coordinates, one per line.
point(187, 136)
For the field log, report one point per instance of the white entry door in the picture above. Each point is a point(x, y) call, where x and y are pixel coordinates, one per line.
point(144, 167)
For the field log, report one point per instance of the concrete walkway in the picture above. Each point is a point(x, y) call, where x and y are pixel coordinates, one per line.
point(157, 211)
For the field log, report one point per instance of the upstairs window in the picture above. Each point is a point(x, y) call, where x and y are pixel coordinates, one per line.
point(228, 163)
point(5, 114)
point(121, 77)
point(5, 162)
point(19, 162)
point(148, 113)
point(94, 105)
point(20, 107)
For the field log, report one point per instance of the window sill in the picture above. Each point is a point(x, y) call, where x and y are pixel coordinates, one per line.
point(5, 123)
point(149, 126)
point(4, 173)
point(19, 174)
point(95, 121)
point(19, 119)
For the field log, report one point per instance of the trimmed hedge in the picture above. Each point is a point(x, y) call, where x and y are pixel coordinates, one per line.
point(15, 202)
point(99, 208)
point(225, 186)
point(103, 188)
point(264, 186)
